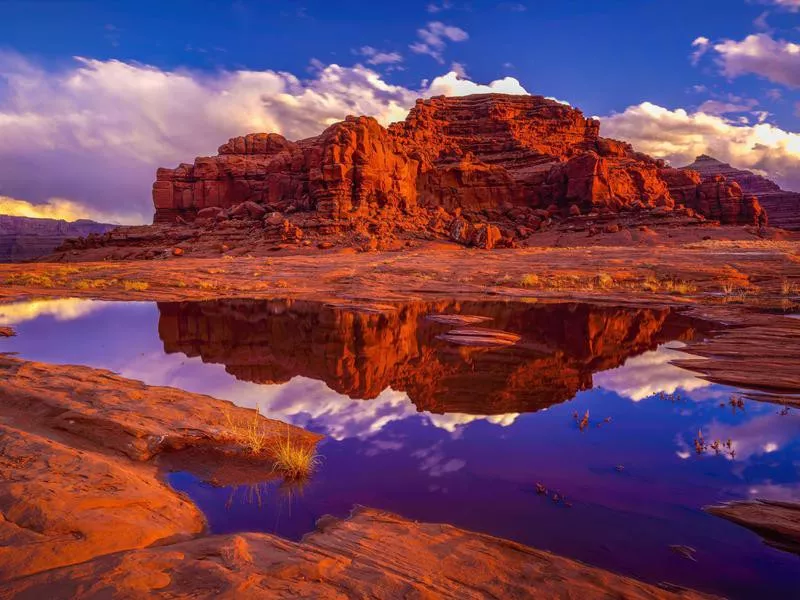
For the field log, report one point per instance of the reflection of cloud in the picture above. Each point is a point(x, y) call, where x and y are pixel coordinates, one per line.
point(303, 402)
point(763, 434)
point(435, 463)
point(62, 309)
point(650, 373)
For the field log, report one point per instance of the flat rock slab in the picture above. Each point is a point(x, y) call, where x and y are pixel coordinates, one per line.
point(76, 479)
point(372, 554)
point(458, 319)
point(480, 337)
point(775, 521)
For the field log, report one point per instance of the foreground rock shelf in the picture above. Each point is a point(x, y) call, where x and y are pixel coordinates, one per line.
point(372, 554)
point(76, 475)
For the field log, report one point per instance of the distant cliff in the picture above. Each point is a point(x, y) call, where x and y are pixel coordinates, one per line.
point(783, 207)
point(24, 238)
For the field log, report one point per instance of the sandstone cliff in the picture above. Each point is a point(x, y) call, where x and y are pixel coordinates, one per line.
point(782, 207)
point(472, 168)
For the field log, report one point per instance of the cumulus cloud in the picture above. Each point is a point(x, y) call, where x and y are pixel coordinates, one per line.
point(61, 208)
point(679, 136)
point(453, 85)
point(759, 54)
point(95, 132)
point(433, 39)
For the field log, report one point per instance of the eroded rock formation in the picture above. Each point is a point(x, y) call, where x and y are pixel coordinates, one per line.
point(782, 207)
point(361, 353)
point(473, 168)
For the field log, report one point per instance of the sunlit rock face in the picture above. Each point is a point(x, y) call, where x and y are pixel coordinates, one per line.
point(473, 153)
point(362, 351)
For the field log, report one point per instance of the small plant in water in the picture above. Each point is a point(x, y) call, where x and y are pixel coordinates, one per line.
point(293, 459)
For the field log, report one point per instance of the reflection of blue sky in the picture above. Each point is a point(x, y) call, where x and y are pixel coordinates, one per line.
point(480, 472)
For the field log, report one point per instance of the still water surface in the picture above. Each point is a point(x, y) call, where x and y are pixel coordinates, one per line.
point(440, 432)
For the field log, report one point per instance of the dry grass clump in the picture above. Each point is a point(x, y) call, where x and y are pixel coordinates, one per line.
point(604, 281)
point(293, 459)
point(249, 432)
point(529, 280)
point(91, 284)
point(788, 288)
point(31, 280)
point(135, 286)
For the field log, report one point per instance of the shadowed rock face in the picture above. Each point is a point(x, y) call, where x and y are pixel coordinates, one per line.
point(782, 207)
point(473, 153)
point(360, 353)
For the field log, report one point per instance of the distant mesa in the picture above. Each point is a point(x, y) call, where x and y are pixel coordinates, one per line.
point(483, 170)
point(25, 238)
point(783, 207)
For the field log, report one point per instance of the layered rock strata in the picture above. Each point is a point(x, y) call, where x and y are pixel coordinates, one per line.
point(472, 168)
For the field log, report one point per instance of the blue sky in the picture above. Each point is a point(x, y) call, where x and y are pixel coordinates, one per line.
point(733, 60)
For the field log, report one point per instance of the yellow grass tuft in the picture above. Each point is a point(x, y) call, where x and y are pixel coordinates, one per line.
point(249, 432)
point(295, 460)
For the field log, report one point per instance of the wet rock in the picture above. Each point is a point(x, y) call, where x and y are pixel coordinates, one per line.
point(778, 522)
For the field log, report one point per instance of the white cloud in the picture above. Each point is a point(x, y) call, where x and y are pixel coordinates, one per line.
point(720, 107)
point(679, 136)
point(434, 7)
point(792, 5)
point(701, 45)
point(459, 69)
point(95, 132)
point(760, 54)
point(376, 57)
point(433, 39)
point(453, 85)
point(60, 208)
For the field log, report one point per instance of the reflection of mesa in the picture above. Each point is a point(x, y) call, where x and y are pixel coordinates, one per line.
point(361, 353)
